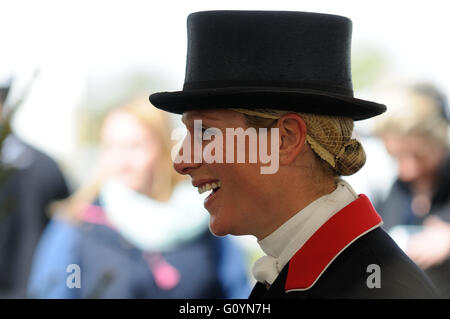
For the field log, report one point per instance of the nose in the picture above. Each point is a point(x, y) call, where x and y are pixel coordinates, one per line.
point(186, 160)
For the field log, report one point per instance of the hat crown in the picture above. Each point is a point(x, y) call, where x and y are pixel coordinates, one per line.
point(284, 60)
point(269, 49)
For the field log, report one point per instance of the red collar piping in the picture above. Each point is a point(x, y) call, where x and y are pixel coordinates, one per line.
point(332, 238)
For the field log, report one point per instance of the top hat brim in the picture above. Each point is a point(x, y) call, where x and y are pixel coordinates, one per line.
point(296, 100)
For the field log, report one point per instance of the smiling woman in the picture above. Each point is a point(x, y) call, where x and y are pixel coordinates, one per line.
point(318, 235)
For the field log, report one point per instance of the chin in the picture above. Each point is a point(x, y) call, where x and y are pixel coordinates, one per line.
point(222, 230)
point(217, 229)
point(216, 232)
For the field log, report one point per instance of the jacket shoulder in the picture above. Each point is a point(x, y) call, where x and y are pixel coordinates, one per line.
point(371, 267)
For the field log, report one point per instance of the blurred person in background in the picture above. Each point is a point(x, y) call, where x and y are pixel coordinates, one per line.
point(416, 211)
point(137, 229)
point(29, 181)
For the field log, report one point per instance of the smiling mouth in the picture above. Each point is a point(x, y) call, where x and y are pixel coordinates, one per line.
point(214, 186)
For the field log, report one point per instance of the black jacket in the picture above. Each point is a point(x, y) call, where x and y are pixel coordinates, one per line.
point(29, 181)
point(323, 273)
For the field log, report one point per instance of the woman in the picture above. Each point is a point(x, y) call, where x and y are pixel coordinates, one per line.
point(417, 208)
point(137, 230)
point(289, 72)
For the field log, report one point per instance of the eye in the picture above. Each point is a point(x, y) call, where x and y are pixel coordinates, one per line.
point(206, 133)
point(211, 133)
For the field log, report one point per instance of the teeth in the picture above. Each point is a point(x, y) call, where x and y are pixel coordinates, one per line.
point(208, 187)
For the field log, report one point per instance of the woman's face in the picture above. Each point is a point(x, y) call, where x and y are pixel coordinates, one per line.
point(237, 207)
point(418, 157)
point(129, 151)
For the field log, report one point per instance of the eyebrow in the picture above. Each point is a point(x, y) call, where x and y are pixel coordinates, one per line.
point(193, 115)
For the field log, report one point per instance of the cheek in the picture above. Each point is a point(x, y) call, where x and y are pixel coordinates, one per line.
point(143, 159)
point(146, 162)
point(242, 199)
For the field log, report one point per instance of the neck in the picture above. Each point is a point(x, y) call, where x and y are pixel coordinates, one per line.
point(292, 200)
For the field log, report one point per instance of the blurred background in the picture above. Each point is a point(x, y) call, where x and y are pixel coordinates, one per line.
point(72, 61)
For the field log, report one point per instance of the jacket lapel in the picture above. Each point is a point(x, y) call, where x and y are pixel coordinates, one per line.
point(324, 246)
point(332, 238)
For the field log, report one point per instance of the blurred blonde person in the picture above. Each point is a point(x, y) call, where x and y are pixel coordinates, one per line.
point(417, 208)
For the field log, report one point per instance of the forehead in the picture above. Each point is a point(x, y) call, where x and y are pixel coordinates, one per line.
point(123, 125)
point(218, 116)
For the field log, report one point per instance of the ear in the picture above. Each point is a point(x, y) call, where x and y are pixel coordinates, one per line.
point(292, 137)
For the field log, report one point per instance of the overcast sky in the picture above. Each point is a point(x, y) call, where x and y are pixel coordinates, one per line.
point(106, 33)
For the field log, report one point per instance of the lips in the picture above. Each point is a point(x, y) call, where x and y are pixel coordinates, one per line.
point(205, 185)
point(208, 200)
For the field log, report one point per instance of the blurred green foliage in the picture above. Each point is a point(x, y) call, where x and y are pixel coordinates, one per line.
point(369, 65)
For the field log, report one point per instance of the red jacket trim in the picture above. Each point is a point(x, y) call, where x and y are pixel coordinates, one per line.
point(319, 251)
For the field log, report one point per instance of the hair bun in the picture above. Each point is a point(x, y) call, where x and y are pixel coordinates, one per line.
point(350, 158)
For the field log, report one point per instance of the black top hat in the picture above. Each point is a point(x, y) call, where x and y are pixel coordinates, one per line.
point(297, 61)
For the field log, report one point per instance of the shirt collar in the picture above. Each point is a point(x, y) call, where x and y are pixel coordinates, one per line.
point(285, 241)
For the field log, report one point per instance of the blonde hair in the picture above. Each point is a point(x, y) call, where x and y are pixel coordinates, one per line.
point(330, 137)
point(413, 113)
point(165, 178)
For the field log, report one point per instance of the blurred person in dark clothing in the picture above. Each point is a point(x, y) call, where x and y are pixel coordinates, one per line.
point(137, 229)
point(417, 208)
point(29, 181)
